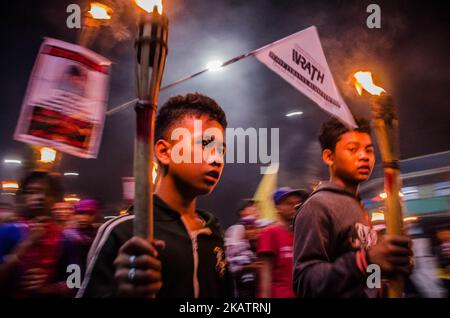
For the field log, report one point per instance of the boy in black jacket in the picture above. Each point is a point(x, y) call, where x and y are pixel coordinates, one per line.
point(192, 261)
point(333, 240)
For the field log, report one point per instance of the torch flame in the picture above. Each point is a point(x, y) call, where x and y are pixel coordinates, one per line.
point(364, 81)
point(154, 172)
point(100, 11)
point(149, 5)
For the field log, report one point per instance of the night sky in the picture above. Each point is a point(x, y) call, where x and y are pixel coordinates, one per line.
point(410, 56)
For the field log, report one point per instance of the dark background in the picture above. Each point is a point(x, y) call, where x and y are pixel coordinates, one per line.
point(409, 55)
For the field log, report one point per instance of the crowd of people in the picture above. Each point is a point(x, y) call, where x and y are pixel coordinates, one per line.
point(321, 244)
point(41, 237)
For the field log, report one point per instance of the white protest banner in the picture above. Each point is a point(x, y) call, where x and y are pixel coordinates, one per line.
point(299, 59)
point(64, 106)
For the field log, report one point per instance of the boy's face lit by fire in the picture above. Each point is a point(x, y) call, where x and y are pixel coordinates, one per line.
point(353, 158)
point(200, 176)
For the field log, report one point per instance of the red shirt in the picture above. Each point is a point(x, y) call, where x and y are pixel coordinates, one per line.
point(278, 241)
point(46, 252)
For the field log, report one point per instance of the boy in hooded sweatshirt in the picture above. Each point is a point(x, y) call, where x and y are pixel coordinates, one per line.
point(333, 239)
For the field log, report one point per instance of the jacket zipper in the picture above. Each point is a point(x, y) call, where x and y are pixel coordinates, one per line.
point(193, 236)
point(195, 276)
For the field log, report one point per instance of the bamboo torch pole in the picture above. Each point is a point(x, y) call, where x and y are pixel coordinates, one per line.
point(151, 53)
point(385, 123)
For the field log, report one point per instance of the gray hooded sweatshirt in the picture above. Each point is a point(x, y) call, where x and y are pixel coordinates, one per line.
point(331, 226)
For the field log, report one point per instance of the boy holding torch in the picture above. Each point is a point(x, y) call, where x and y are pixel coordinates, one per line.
point(333, 241)
point(188, 259)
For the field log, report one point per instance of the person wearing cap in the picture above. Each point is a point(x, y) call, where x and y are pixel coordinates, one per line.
point(275, 246)
point(79, 237)
point(86, 212)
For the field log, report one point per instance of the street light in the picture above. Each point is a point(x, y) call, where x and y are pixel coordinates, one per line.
point(71, 198)
point(377, 216)
point(214, 66)
point(296, 113)
point(151, 52)
point(10, 186)
point(12, 161)
point(67, 174)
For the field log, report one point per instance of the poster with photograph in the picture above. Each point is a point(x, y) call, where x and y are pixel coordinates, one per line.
point(64, 106)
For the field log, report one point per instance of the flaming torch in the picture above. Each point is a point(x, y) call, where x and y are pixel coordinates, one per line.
point(385, 122)
point(151, 53)
point(96, 16)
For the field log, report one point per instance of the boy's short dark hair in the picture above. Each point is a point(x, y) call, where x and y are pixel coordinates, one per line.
point(332, 130)
point(193, 104)
point(54, 185)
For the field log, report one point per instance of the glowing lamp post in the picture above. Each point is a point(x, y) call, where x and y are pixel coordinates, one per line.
point(10, 186)
point(385, 122)
point(151, 53)
point(47, 155)
point(43, 159)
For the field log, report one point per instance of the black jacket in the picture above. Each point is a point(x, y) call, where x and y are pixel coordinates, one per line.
point(192, 266)
point(330, 228)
